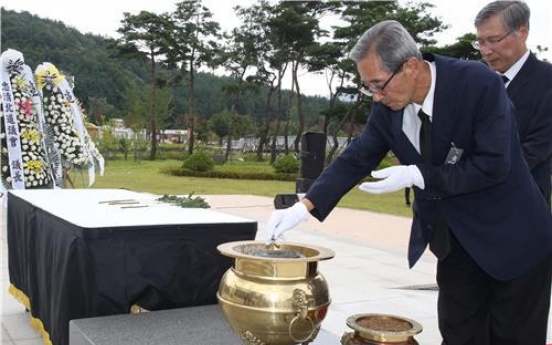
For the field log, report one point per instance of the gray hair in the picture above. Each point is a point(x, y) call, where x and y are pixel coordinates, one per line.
point(391, 43)
point(514, 14)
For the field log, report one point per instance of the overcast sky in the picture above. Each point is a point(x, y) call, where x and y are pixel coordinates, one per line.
point(103, 17)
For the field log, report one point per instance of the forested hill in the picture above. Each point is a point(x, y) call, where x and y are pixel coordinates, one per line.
point(82, 56)
point(102, 82)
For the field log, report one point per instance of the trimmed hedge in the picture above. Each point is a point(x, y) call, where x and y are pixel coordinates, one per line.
point(231, 175)
point(252, 173)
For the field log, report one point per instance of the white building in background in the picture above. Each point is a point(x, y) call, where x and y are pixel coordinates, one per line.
point(245, 144)
point(175, 136)
point(251, 143)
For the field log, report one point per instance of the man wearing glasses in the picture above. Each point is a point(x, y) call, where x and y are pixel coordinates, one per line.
point(452, 127)
point(502, 30)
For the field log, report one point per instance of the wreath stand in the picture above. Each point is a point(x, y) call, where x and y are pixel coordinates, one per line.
point(67, 177)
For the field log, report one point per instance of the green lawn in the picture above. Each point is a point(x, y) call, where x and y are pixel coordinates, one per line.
point(145, 177)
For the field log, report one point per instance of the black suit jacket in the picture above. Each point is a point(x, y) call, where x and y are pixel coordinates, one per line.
point(531, 93)
point(488, 198)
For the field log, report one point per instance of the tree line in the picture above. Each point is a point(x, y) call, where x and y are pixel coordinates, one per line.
point(153, 75)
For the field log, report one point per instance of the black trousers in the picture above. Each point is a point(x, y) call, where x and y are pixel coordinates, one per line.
point(475, 309)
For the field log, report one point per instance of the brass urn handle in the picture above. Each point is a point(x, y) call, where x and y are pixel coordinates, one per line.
point(300, 305)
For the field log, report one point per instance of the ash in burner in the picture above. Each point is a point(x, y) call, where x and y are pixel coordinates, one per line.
point(277, 254)
point(386, 324)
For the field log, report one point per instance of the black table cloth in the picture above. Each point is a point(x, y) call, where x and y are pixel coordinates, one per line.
point(94, 252)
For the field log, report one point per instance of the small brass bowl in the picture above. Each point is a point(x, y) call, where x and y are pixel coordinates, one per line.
point(382, 329)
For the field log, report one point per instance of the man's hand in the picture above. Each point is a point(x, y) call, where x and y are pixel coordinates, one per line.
point(393, 179)
point(283, 220)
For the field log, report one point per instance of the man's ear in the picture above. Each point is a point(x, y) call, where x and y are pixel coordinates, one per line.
point(523, 32)
point(412, 65)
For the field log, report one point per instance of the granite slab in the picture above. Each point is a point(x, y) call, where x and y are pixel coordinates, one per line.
point(203, 325)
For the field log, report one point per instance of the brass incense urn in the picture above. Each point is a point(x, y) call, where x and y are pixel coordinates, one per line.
point(380, 329)
point(274, 295)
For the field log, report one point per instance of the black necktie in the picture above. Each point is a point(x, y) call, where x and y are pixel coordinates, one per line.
point(440, 241)
point(425, 137)
point(504, 78)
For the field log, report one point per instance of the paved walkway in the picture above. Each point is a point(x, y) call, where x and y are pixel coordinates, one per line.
point(369, 273)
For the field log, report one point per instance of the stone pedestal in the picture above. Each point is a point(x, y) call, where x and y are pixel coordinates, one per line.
point(204, 325)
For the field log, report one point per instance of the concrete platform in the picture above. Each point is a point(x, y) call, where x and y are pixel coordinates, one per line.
point(204, 325)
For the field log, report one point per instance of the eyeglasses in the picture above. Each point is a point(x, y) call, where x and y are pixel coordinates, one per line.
point(370, 91)
point(479, 43)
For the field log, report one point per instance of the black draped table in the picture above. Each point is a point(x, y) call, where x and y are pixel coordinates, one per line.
point(80, 253)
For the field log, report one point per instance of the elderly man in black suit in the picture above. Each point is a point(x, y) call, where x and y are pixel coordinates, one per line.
point(452, 127)
point(502, 31)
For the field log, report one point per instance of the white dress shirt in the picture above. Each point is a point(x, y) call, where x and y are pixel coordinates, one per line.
point(513, 71)
point(411, 122)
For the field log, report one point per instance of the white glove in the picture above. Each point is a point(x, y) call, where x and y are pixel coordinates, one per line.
point(283, 220)
point(393, 179)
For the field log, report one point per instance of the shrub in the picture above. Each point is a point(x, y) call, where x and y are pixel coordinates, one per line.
point(229, 174)
point(287, 165)
point(199, 161)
